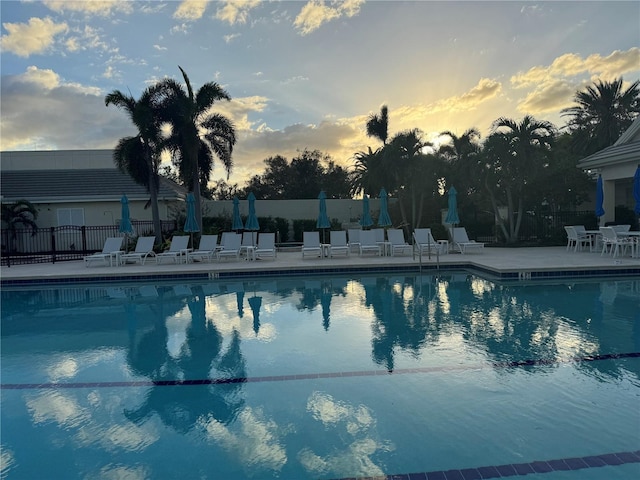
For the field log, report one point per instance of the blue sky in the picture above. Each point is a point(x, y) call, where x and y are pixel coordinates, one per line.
point(305, 74)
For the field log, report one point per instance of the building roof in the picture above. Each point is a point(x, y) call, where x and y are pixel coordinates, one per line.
point(86, 185)
point(625, 150)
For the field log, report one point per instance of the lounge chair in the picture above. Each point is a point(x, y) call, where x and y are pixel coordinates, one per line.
point(248, 244)
point(311, 244)
point(462, 243)
point(230, 246)
point(177, 250)
point(206, 249)
point(338, 245)
point(612, 243)
point(266, 246)
point(368, 243)
point(106, 256)
point(424, 243)
point(354, 239)
point(144, 249)
point(397, 243)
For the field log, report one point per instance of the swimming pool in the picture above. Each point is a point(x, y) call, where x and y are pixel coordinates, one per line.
point(415, 376)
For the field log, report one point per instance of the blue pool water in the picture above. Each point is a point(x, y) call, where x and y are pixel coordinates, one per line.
point(413, 376)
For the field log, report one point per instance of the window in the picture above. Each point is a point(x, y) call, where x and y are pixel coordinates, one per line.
point(71, 216)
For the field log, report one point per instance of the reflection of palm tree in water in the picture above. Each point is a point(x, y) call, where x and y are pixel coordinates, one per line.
point(178, 405)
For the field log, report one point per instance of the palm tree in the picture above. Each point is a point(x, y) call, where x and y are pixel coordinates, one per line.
point(378, 125)
point(367, 175)
point(603, 112)
point(197, 135)
point(139, 156)
point(21, 212)
point(516, 155)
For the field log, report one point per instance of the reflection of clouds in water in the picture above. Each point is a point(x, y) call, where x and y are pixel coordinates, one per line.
point(7, 461)
point(226, 323)
point(69, 414)
point(358, 422)
point(64, 368)
point(177, 326)
point(256, 444)
point(119, 472)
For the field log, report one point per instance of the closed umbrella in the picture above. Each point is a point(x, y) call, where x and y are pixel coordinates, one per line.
point(255, 303)
point(323, 219)
point(599, 198)
point(125, 221)
point(191, 224)
point(452, 215)
point(365, 219)
point(636, 190)
point(252, 220)
point(236, 223)
point(384, 220)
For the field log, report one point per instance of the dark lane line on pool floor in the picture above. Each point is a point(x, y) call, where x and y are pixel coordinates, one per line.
point(513, 469)
point(314, 376)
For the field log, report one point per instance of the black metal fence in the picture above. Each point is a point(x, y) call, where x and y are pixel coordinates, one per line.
point(58, 244)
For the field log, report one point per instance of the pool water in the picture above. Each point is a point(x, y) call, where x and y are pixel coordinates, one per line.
point(417, 376)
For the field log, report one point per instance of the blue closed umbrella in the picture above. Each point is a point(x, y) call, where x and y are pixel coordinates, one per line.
point(636, 190)
point(365, 220)
point(384, 220)
point(191, 225)
point(125, 221)
point(599, 198)
point(323, 219)
point(452, 214)
point(252, 220)
point(236, 223)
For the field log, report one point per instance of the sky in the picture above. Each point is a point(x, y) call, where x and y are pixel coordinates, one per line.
point(305, 74)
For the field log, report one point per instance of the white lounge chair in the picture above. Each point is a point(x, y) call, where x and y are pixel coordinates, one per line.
point(577, 240)
point(368, 243)
point(230, 246)
point(266, 246)
point(397, 243)
point(143, 250)
point(462, 243)
point(206, 249)
point(424, 243)
point(354, 239)
point(338, 245)
point(248, 244)
point(106, 256)
point(311, 244)
point(177, 250)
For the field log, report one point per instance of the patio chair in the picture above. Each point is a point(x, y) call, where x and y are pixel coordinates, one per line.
point(576, 240)
point(206, 249)
point(612, 243)
point(143, 250)
point(368, 243)
point(378, 234)
point(111, 246)
point(423, 242)
point(338, 245)
point(397, 243)
point(266, 246)
point(621, 228)
point(177, 250)
point(462, 243)
point(311, 244)
point(354, 239)
point(248, 243)
point(230, 246)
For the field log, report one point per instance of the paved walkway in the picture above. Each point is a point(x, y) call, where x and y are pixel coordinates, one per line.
point(498, 260)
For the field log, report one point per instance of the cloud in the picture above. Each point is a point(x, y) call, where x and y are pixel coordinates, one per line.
point(36, 37)
point(102, 8)
point(190, 10)
point(570, 64)
point(236, 11)
point(548, 97)
point(485, 89)
point(230, 38)
point(317, 12)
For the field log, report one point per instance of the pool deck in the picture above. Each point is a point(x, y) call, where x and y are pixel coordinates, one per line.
point(528, 263)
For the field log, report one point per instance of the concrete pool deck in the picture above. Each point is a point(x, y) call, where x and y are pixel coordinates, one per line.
point(506, 262)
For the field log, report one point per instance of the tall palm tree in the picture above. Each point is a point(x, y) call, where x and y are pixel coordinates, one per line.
point(602, 113)
point(517, 154)
point(21, 212)
point(197, 134)
point(139, 156)
point(378, 125)
point(367, 175)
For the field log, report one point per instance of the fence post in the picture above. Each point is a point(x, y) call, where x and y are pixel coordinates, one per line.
point(83, 231)
point(53, 245)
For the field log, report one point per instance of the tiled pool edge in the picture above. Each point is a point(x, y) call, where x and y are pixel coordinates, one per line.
point(510, 275)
